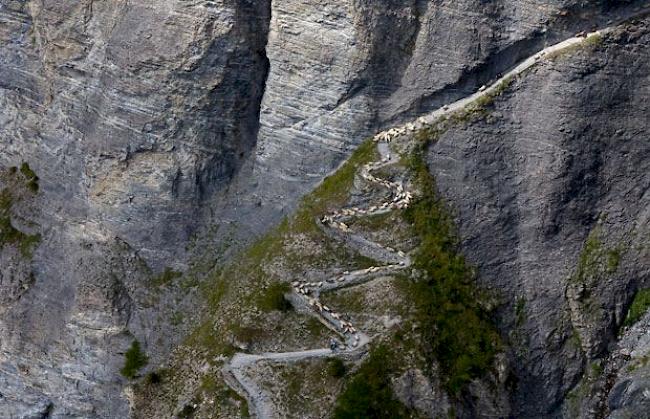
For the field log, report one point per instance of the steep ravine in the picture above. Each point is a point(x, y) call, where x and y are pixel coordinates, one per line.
point(530, 388)
point(342, 71)
point(549, 368)
point(157, 138)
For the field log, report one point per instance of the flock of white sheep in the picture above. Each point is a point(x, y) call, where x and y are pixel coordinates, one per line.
point(400, 199)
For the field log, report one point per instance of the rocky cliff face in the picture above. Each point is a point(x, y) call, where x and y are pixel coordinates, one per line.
point(131, 114)
point(551, 193)
point(148, 121)
point(341, 71)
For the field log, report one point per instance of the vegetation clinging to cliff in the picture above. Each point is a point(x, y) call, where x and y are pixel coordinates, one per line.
point(457, 329)
point(369, 394)
point(32, 179)
point(596, 260)
point(134, 360)
point(10, 195)
point(639, 307)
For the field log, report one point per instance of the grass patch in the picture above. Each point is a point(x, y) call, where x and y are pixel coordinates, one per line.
point(207, 338)
point(596, 369)
point(369, 393)
point(177, 318)
point(313, 326)
point(134, 361)
point(575, 340)
point(215, 291)
point(456, 329)
point(596, 261)
point(247, 334)
point(354, 300)
point(373, 222)
point(11, 235)
point(165, 277)
point(593, 40)
point(589, 43)
point(638, 308)
point(479, 107)
point(273, 298)
point(334, 191)
point(224, 395)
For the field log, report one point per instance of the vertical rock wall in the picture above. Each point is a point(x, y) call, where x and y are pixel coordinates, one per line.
point(551, 195)
point(147, 120)
point(131, 114)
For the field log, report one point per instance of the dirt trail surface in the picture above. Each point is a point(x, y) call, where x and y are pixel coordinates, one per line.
point(306, 294)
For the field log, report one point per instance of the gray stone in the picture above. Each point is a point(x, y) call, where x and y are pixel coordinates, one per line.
point(148, 121)
point(526, 200)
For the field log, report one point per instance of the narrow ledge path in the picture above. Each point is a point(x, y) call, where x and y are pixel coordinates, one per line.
point(307, 294)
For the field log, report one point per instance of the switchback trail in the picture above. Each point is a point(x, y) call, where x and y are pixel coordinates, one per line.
point(306, 294)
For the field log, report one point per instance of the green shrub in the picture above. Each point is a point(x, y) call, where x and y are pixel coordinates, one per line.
point(27, 171)
point(247, 334)
point(336, 368)
point(456, 330)
point(639, 307)
point(189, 410)
point(273, 298)
point(369, 394)
point(27, 243)
point(134, 360)
point(32, 179)
point(177, 318)
point(8, 233)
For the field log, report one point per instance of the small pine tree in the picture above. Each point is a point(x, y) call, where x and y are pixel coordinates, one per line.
point(134, 360)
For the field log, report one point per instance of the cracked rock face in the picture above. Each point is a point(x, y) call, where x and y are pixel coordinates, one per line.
point(551, 195)
point(146, 120)
point(341, 71)
point(131, 114)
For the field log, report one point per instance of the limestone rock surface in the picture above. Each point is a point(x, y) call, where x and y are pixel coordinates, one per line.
point(154, 125)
